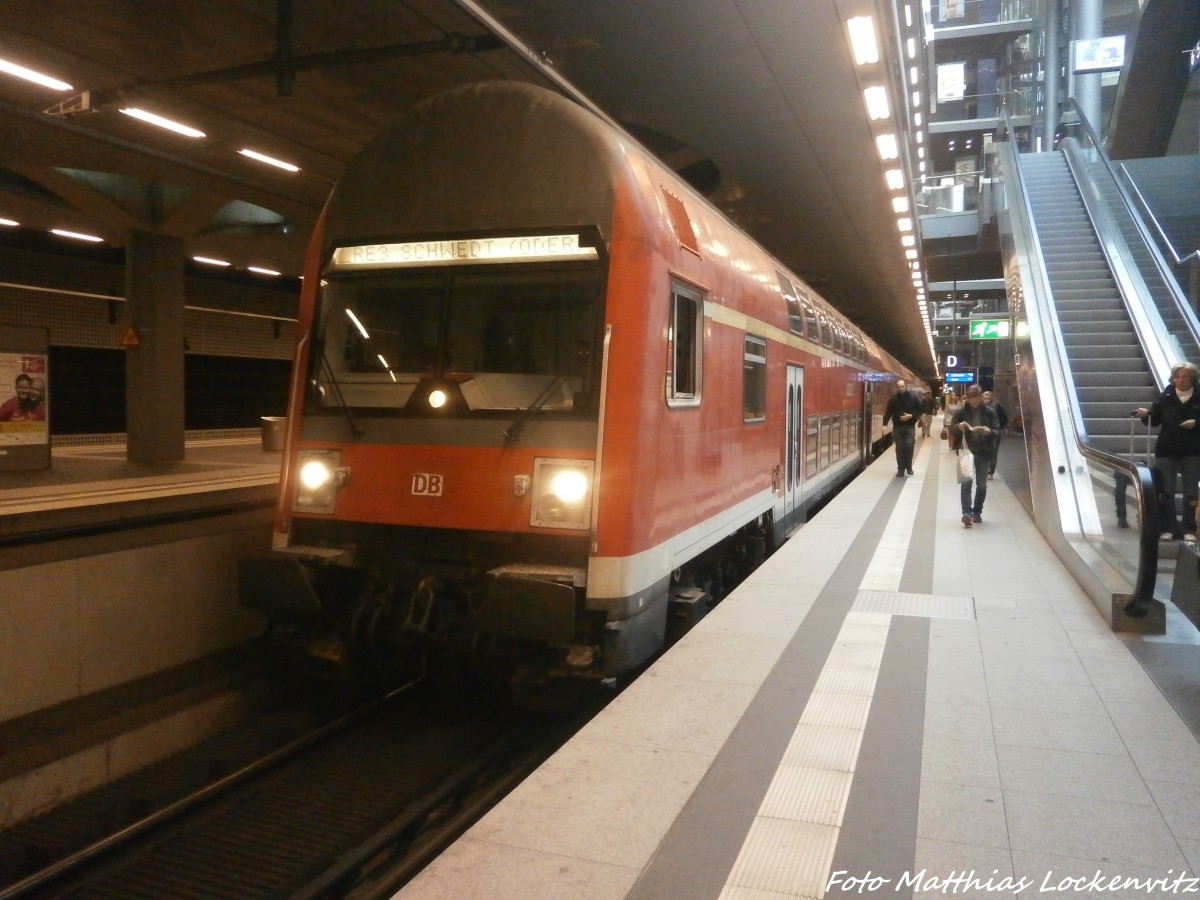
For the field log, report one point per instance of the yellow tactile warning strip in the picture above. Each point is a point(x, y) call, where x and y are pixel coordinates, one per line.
point(789, 849)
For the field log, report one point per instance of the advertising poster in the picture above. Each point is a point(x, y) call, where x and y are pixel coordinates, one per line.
point(951, 81)
point(24, 399)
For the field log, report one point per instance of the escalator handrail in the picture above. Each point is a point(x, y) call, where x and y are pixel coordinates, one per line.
point(1148, 215)
point(1185, 309)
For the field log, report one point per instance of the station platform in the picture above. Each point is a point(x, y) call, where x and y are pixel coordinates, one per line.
point(87, 487)
point(892, 705)
point(113, 572)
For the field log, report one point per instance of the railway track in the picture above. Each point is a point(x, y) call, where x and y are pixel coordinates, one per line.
point(355, 806)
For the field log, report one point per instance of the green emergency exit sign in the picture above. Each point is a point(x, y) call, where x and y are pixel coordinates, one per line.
point(990, 329)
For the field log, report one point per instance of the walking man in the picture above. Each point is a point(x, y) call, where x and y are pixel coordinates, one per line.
point(903, 411)
point(978, 426)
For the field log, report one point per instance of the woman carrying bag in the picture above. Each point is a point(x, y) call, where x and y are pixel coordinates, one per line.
point(950, 406)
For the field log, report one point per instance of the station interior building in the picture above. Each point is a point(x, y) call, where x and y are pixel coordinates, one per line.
point(157, 255)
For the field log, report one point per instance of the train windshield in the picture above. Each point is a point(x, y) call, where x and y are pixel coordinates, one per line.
point(510, 337)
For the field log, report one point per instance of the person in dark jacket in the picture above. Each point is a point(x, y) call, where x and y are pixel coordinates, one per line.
point(1177, 450)
point(903, 410)
point(927, 410)
point(1002, 419)
point(978, 426)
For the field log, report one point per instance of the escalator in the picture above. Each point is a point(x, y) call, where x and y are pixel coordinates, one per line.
point(1111, 373)
point(1091, 347)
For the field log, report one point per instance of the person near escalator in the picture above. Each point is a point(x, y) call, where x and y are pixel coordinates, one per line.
point(1176, 412)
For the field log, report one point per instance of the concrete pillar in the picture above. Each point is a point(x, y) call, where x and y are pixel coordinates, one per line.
point(154, 295)
point(1088, 23)
point(1053, 66)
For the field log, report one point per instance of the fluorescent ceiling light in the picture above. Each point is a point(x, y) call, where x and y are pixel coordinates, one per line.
point(908, 14)
point(895, 179)
point(170, 125)
point(877, 102)
point(209, 261)
point(910, 253)
point(900, 204)
point(10, 68)
point(916, 99)
point(358, 325)
point(908, 241)
point(269, 160)
point(75, 235)
point(262, 271)
point(912, 47)
point(917, 120)
point(862, 39)
point(913, 75)
point(9, 222)
point(887, 146)
point(904, 223)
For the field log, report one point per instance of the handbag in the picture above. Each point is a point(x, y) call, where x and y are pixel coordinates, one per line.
point(966, 466)
point(945, 433)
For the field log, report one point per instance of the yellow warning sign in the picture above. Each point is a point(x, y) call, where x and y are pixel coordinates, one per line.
point(131, 338)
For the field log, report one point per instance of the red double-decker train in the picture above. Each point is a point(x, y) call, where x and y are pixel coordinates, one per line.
point(547, 401)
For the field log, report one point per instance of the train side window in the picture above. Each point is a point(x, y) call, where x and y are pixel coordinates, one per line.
point(795, 317)
point(812, 443)
point(810, 319)
point(826, 329)
point(754, 379)
point(684, 347)
point(826, 435)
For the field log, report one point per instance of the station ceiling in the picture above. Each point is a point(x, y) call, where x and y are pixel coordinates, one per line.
point(757, 100)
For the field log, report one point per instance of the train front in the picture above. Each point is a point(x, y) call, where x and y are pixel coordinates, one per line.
point(441, 478)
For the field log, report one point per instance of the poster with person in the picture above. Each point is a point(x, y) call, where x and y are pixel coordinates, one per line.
point(24, 399)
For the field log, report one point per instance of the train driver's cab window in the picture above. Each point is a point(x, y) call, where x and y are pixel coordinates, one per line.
point(684, 347)
point(508, 338)
point(754, 379)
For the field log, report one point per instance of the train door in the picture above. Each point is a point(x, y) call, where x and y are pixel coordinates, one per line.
point(794, 451)
point(867, 423)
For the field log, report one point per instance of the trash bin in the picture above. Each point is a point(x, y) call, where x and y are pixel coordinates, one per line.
point(274, 429)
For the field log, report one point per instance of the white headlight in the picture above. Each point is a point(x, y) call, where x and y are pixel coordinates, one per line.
point(569, 485)
point(315, 474)
point(562, 493)
point(319, 477)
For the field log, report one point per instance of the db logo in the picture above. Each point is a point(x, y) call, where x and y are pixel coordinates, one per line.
point(426, 485)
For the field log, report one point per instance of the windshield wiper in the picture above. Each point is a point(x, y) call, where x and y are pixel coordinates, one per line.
point(513, 430)
point(337, 393)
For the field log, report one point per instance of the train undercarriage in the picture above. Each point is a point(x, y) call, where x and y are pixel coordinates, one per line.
point(352, 610)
